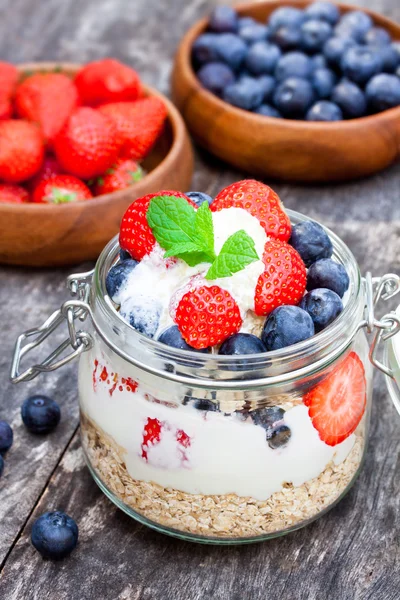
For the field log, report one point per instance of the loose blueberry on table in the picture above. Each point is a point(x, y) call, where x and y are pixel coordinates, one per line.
point(54, 535)
point(40, 414)
point(318, 45)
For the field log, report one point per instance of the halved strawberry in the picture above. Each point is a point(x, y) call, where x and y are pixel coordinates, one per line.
point(135, 234)
point(206, 316)
point(151, 435)
point(337, 404)
point(260, 201)
point(284, 278)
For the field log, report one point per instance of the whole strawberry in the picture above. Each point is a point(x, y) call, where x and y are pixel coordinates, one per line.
point(107, 80)
point(47, 99)
point(135, 235)
point(88, 143)
point(13, 194)
point(283, 280)
point(61, 189)
point(260, 201)
point(21, 150)
point(123, 174)
point(139, 124)
point(8, 81)
point(206, 316)
point(49, 168)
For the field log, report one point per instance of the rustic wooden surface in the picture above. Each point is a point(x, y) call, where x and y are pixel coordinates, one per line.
point(352, 553)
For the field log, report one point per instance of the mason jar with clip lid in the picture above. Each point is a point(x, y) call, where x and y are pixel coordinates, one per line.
point(213, 448)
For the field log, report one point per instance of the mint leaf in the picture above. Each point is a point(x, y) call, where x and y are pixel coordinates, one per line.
point(205, 228)
point(172, 221)
point(237, 252)
point(185, 248)
point(195, 258)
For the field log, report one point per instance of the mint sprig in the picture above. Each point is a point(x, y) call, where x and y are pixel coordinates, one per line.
point(188, 234)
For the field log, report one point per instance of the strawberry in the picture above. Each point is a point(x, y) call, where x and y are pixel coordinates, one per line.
point(124, 173)
point(107, 80)
point(337, 404)
point(48, 99)
point(88, 143)
point(61, 189)
point(283, 280)
point(49, 168)
point(261, 202)
point(8, 81)
point(21, 150)
point(139, 124)
point(135, 234)
point(5, 109)
point(206, 316)
point(15, 194)
point(151, 435)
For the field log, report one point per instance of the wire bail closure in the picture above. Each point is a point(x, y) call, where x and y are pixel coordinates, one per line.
point(71, 311)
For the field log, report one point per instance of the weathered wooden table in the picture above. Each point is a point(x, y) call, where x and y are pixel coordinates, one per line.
point(353, 552)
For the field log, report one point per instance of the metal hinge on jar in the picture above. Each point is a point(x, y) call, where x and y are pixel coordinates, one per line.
point(72, 311)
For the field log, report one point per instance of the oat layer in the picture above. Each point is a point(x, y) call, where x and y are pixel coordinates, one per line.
point(220, 516)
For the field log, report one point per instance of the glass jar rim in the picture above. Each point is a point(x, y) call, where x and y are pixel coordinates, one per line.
point(317, 351)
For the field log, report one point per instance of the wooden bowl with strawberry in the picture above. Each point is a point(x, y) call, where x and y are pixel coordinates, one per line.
point(76, 148)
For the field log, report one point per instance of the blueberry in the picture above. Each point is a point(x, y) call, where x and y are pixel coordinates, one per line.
point(200, 403)
point(271, 419)
point(145, 318)
point(54, 535)
point(204, 49)
point(335, 48)
point(245, 22)
point(286, 15)
point(286, 325)
point(323, 306)
point(268, 111)
point(360, 63)
point(287, 37)
point(319, 61)
point(231, 49)
point(1, 465)
point(6, 437)
point(355, 24)
point(377, 36)
point(314, 34)
point(172, 337)
point(255, 32)
point(267, 84)
point(117, 275)
point(224, 19)
point(262, 58)
point(293, 64)
point(246, 93)
point(350, 99)
point(40, 414)
point(390, 58)
point(396, 48)
point(311, 241)
point(323, 81)
point(326, 273)
point(215, 76)
point(199, 197)
point(241, 343)
point(323, 11)
point(383, 92)
point(123, 255)
point(293, 97)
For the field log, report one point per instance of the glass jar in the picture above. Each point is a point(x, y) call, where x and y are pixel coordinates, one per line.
point(216, 448)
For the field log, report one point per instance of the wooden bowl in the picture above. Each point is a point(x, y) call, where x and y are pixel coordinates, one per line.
point(284, 149)
point(48, 235)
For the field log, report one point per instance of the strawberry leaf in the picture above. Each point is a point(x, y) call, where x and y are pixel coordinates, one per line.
point(237, 252)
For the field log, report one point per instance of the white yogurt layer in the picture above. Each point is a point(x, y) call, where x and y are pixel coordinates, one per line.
point(155, 281)
point(222, 455)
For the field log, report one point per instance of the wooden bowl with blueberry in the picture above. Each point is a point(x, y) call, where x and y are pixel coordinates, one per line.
point(297, 91)
point(77, 146)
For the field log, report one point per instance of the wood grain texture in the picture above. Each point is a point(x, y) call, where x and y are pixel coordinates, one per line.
point(51, 235)
point(285, 149)
point(353, 552)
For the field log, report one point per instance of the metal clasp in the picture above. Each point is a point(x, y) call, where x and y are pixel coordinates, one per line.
point(377, 288)
point(70, 311)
